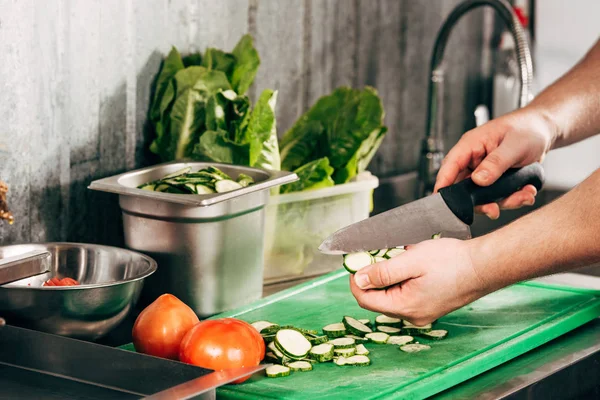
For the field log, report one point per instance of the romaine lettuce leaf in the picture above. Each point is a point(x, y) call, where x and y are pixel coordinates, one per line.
point(179, 123)
point(345, 126)
point(245, 66)
point(313, 175)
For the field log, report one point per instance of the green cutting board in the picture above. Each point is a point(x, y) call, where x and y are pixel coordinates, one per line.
point(484, 334)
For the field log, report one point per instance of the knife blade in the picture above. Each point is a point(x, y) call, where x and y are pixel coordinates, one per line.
point(205, 383)
point(449, 212)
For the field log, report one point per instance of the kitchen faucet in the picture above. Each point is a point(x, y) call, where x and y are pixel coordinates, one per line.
point(432, 151)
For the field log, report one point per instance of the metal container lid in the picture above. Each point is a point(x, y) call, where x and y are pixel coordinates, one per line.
point(189, 205)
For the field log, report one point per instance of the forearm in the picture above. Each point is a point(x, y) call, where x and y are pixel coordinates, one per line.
point(571, 104)
point(558, 237)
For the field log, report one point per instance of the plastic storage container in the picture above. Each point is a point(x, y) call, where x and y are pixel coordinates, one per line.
point(297, 223)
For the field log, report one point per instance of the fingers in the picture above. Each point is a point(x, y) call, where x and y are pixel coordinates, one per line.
point(505, 156)
point(491, 210)
point(386, 273)
point(454, 163)
point(524, 197)
point(373, 300)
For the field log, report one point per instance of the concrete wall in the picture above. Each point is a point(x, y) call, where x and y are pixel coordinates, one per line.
point(75, 80)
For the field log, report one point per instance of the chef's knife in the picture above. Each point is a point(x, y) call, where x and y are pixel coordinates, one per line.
point(449, 212)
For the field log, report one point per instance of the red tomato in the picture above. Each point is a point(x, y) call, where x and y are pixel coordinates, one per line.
point(61, 282)
point(159, 329)
point(223, 344)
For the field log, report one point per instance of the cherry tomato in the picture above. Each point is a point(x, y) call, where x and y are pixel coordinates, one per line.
point(159, 329)
point(222, 344)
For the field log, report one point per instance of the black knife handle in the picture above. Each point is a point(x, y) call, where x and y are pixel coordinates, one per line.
point(463, 196)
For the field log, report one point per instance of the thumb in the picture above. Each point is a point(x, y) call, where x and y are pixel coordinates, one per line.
point(385, 273)
point(505, 156)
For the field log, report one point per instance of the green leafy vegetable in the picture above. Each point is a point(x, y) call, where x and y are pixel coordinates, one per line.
point(170, 67)
point(246, 65)
point(314, 175)
point(199, 110)
point(346, 127)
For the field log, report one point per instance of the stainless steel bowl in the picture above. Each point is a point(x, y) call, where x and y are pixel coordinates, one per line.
point(110, 279)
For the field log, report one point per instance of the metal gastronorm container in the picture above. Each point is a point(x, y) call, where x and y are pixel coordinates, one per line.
point(209, 248)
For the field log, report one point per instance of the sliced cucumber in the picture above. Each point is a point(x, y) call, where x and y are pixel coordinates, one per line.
point(203, 189)
point(277, 371)
point(292, 343)
point(415, 330)
point(414, 347)
point(388, 321)
point(149, 186)
point(437, 334)
point(358, 361)
point(226, 185)
point(356, 261)
point(356, 327)
point(245, 180)
point(177, 173)
point(436, 235)
point(340, 361)
point(390, 330)
point(304, 331)
point(268, 338)
point(357, 339)
point(394, 252)
point(272, 357)
point(361, 350)
point(316, 339)
point(345, 352)
point(271, 346)
point(379, 259)
point(300, 366)
point(400, 340)
point(335, 330)
point(378, 253)
point(365, 321)
point(343, 343)
point(322, 352)
point(260, 325)
point(378, 337)
point(217, 173)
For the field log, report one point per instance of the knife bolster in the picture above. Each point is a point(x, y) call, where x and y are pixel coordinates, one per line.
point(458, 199)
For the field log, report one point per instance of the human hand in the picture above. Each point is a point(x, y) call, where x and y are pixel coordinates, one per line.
point(425, 282)
point(486, 152)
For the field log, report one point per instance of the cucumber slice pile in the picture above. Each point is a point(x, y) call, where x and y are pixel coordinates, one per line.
point(205, 181)
point(295, 349)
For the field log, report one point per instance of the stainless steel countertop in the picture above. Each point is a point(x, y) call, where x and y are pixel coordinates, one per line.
point(567, 367)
